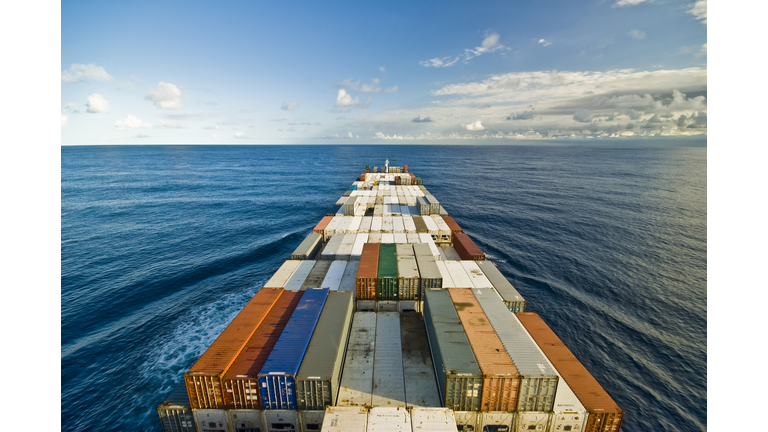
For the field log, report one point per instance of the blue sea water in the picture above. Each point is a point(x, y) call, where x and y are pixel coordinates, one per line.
point(161, 246)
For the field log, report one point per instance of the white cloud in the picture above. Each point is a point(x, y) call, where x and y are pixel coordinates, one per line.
point(490, 44)
point(214, 127)
point(64, 120)
point(169, 124)
point(132, 122)
point(620, 3)
point(344, 101)
point(97, 104)
point(699, 10)
point(636, 34)
point(82, 73)
point(383, 69)
point(167, 96)
point(476, 126)
point(71, 107)
point(240, 135)
point(545, 42)
point(373, 87)
point(392, 89)
point(289, 106)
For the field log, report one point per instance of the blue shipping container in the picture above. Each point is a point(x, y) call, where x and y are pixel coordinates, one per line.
point(277, 379)
point(353, 187)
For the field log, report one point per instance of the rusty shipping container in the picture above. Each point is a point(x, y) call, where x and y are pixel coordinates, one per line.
point(203, 379)
point(466, 248)
point(452, 224)
point(320, 227)
point(241, 382)
point(604, 414)
point(367, 273)
point(501, 380)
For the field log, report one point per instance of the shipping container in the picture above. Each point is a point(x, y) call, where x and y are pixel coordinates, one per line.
point(388, 388)
point(345, 249)
point(368, 272)
point(344, 198)
point(434, 204)
point(244, 420)
point(498, 421)
point(308, 248)
point(447, 279)
point(431, 227)
point(424, 206)
point(311, 420)
point(280, 420)
point(382, 419)
point(418, 222)
point(429, 274)
point(408, 224)
point(315, 277)
point(376, 224)
point(432, 420)
point(449, 254)
point(387, 238)
point(322, 225)
point(374, 237)
point(443, 230)
point(277, 377)
point(458, 274)
point(317, 383)
point(241, 381)
point(535, 420)
point(354, 227)
point(466, 248)
point(452, 224)
point(332, 247)
point(332, 279)
point(350, 206)
point(203, 379)
point(501, 379)
point(387, 277)
point(604, 414)
point(345, 419)
point(386, 224)
point(418, 373)
point(330, 230)
point(365, 225)
point(459, 378)
point(175, 412)
point(397, 224)
point(476, 275)
point(348, 282)
point(467, 421)
point(412, 238)
point(512, 299)
point(281, 276)
point(400, 238)
point(346, 221)
point(357, 376)
point(357, 248)
point(211, 420)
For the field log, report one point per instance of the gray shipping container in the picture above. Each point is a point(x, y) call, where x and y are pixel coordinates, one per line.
point(300, 275)
point(407, 276)
point(350, 206)
point(538, 378)
point(308, 248)
point(418, 373)
point(348, 281)
point(434, 204)
point(357, 377)
point(423, 205)
point(429, 274)
point(388, 388)
point(329, 252)
point(315, 277)
point(317, 383)
point(175, 412)
point(459, 378)
point(512, 299)
point(404, 249)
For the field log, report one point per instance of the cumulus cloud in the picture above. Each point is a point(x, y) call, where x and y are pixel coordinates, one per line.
point(97, 104)
point(699, 10)
point(476, 126)
point(344, 101)
point(490, 44)
point(373, 87)
point(289, 106)
point(167, 96)
point(583, 116)
point(637, 34)
point(131, 122)
point(418, 119)
point(83, 73)
point(169, 124)
point(525, 115)
point(621, 3)
point(64, 120)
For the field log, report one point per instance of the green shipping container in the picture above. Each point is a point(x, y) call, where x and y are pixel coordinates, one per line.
point(388, 274)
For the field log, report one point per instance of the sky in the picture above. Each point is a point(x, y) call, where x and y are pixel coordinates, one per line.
point(343, 72)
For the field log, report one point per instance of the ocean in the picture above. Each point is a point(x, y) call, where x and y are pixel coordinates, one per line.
point(161, 246)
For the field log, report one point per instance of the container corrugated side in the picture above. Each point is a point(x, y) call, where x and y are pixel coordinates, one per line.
point(433, 420)
point(308, 248)
point(418, 372)
point(423, 205)
point(345, 419)
point(241, 382)
point(175, 412)
point(476, 275)
point(203, 379)
point(388, 388)
point(357, 376)
point(368, 272)
point(458, 274)
point(281, 276)
point(332, 279)
point(408, 278)
point(512, 299)
point(539, 380)
point(348, 281)
point(429, 274)
point(459, 378)
point(277, 377)
point(501, 380)
point(466, 248)
point(244, 420)
point(317, 383)
point(604, 414)
point(315, 277)
point(387, 277)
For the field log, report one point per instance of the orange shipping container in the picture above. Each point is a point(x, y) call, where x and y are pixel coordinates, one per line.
point(241, 382)
point(203, 380)
point(452, 224)
point(320, 227)
point(501, 380)
point(604, 414)
point(368, 272)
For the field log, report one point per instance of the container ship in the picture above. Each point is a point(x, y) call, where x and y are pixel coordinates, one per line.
point(388, 317)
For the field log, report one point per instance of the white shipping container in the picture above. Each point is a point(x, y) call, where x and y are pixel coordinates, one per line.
point(431, 226)
point(357, 249)
point(408, 224)
point(388, 388)
point(467, 420)
point(345, 250)
point(398, 224)
point(476, 275)
point(382, 419)
point(365, 225)
point(387, 225)
point(282, 274)
point(357, 376)
point(300, 275)
point(211, 420)
point(387, 238)
point(376, 223)
point(330, 229)
point(497, 421)
point(378, 210)
point(329, 252)
point(280, 420)
point(346, 221)
point(458, 274)
point(426, 238)
point(354, 226)
point(532, 420)
point(447, 280)
point(360, 210)
point(443, 229)
point(332, 279)
point(345, 419)
point(450, 253)
point(413, 238)
point(401, 238)
point(244, 419)
point(432, 420)
point(341, 200)
point(348, 281)
point(374, 237)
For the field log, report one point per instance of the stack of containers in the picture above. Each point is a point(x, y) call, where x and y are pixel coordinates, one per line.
point(429, 274)
point(443, 230)
point(501, 380)
point(203, 379)
point(367, 272)
point(281, 276)
point(387, 277)
point(332, 279)
point(407, 273)
point(452, 224)
point(459, 378)
point(357, 377)
point(538, 379)
point(308, 248)
point(604, 414)
point(321, 226)
point(241, 382)
point(424, 206)
point(512, 299)
point(277, 377)
point(434, 204)
point(317, 383)
point(466, 248)
point(175, 412)
point(298, 277)
point(315, 277)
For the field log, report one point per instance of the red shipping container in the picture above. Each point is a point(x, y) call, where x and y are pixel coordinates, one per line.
point(466, 248)
point(452, 224)
point(320, 227)
point(368, 272)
